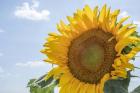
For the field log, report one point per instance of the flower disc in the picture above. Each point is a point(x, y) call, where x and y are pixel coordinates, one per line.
point(91, 55)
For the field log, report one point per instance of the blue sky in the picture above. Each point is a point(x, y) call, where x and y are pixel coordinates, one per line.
point(24, 25)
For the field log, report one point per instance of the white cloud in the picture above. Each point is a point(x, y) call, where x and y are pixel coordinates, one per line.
point(1, 70)
point(30, 11)
point(137, 23)
point(124, 14)
point(31, 64)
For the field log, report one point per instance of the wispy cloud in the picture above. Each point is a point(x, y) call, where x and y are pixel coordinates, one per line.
point(124, 14)
point(31, 12)
point(31, 64)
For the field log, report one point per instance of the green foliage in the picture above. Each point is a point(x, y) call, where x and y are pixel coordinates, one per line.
point(37, 89)
point(117, 86)
point(136, 90)
point(42, 86)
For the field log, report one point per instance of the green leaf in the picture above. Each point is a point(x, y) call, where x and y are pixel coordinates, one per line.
point(136, 90)
point(31, 82)
point(42, 83)
point(42, 86)
point(117, 86)
point(48, 89)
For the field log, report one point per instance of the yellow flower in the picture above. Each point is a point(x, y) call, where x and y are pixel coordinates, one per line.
point(89, 50)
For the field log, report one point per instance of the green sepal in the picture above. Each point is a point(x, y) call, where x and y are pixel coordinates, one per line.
point(127, 49)
point(119, 85)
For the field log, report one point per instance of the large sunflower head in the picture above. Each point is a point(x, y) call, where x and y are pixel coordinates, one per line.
point(93, 48)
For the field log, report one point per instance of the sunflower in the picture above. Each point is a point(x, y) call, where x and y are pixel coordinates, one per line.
point(93, 48)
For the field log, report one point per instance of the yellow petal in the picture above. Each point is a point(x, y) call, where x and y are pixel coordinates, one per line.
point(69, 86)
point(91, 88)
point(87, 21)
point(86, 16)
point(124, 42)
point(95, 17)
point(53, 34)
point(133, 52)
point(51, 38)
point(113, 20)
point(123, 58)
point(63, 89)
point(65, 78)
point(73, 23)
point(129, 66)
point(116, 13)
point(97, 88)
point(75, 86)
point(117, 62)
point(106, 77)
point(54, 72)
point(55, 57)
point(83, 88)
point(122, 62)
point(102, 82)
point(78, 89)
point(63, 28)
point(88, 12)
point(102, 14)
point(51, 61)
point(107, 20)
point(123, 29)
point(119, 24)
point(120, 73)
point(108, 13)
point(79, 13)
point(80, 22)
point(66, 88)
point(95, 12)
point(125, 33)
point(101, 88)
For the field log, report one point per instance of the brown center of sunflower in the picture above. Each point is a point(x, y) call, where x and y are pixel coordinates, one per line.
point(91, 55)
